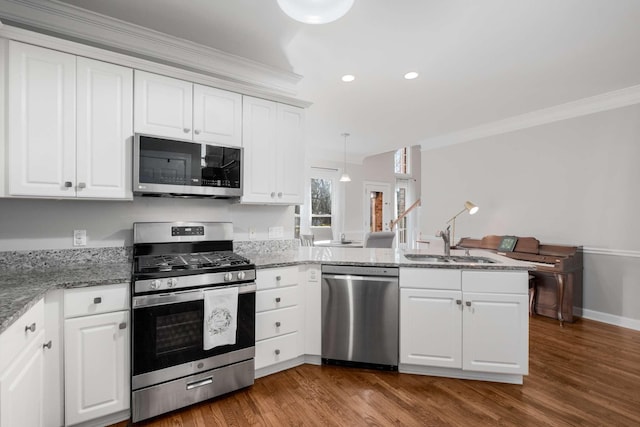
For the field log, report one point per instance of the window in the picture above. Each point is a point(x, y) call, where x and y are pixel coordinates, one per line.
point(296, 222)
point(321, 202)
point(401, 206)
point(401, 161)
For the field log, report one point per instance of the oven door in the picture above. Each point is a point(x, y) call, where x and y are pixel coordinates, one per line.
point(167, 336)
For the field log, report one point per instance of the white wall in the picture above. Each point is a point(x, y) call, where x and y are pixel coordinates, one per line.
point(570, 182)
point(49, 224)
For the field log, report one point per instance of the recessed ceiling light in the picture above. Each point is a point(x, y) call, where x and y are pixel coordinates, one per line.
point(348, 78)
point(411, 75)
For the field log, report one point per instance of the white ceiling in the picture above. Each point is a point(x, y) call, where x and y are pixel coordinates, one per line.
point(479, 60)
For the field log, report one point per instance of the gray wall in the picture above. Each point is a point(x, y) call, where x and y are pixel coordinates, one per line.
point(569, 182)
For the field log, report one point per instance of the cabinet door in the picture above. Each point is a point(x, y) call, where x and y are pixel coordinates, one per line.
point(105, 130)
point(217, 116)
point(313, 311)
point(96, 366)
point(496, 332)
point(42, 112)
point(430, 327)
point(290, 157)
point(21, 386)
point(163, 106)
point(258, 140)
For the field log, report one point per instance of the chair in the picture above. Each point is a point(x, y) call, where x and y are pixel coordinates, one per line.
point(379, 239)
point(306, 240)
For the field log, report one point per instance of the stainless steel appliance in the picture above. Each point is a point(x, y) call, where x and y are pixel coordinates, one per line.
point(173, 167)
point(174, 264)
point(360, 316)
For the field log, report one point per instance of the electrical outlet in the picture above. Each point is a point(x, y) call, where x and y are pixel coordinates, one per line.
point(276, 232)
point(313, 274)
point(79, 237)
point(252, 233)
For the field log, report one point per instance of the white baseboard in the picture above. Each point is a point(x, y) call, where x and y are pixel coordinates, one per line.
point(625, 322)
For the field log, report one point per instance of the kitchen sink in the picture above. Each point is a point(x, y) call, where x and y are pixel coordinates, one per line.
point(453, 258)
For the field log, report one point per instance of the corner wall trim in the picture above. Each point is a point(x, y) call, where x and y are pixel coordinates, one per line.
point(582, 107)
point(625, 322)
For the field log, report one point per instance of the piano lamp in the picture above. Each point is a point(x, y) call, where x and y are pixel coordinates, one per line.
point(315, 11)
point(468, 206)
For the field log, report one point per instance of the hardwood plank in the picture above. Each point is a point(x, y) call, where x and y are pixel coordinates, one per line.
point(586, 373)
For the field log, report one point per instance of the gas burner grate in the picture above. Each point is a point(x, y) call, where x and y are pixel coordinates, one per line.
point(192, 261)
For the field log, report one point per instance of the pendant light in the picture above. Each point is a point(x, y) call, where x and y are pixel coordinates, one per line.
point(345, 176)
point(315, 11)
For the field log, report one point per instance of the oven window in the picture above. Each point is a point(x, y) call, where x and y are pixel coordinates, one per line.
point(178, 332)
point(172, 334)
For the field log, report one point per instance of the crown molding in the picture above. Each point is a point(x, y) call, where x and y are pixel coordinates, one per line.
point(67, 21)
point(582, 107)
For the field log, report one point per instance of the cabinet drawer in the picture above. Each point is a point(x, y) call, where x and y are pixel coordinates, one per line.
point(95, 300)
point(503, 282)
point(277, 349)
point(430, 278)
point(271, 299)
point(17, 337)
point(276, 277)
point(277, 322)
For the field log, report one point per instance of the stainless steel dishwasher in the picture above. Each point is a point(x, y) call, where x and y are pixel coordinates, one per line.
point(360, 316)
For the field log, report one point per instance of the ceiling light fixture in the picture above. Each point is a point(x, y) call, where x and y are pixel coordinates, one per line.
point(348, 78)
point(345, 176)
point(315, 11)
point(411, 75)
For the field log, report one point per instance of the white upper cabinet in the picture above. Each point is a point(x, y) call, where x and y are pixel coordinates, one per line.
point(163, 106)
point(175, 108)
point(273, 139)
point(105, 130)
point(42, 122)
point(70, 125)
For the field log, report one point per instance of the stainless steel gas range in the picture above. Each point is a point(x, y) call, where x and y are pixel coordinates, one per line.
point(182, 270)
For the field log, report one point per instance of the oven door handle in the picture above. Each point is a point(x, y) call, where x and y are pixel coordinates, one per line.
point(184, 296)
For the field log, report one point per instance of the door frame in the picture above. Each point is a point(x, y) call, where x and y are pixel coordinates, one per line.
point(387, 200)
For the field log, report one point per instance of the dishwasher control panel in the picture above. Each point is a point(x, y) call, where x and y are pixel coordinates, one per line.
point(361, 270)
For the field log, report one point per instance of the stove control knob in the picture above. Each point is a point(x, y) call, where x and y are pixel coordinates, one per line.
point(228, 277)
point(172, 282)
point(241, 275)
point(155, 284)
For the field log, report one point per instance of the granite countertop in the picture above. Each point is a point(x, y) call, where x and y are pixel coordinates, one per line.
point(21, 289)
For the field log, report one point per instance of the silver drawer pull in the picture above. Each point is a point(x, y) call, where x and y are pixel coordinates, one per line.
point(31, 328)
point(122, 325)
point(278, 278)
point(197, 131)
point(277, 351)
point(47, 345)
point(278, 299)
point(97, 300)
point(277, 324)
point(468, 303)
point(200, 383)
point(82, 185)
point(459, 301)
point(68, 184)
point(186, 130)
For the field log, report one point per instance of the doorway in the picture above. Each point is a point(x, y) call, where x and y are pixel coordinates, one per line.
point(377, 206)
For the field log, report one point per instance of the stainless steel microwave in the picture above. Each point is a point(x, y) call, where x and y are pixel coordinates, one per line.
point(174, 167)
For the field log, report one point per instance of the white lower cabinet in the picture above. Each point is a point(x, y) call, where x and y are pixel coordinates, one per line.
point(472, 321)
point(279, 319)
point(96, 358)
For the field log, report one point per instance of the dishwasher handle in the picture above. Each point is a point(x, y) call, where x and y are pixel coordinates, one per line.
point(360, 278)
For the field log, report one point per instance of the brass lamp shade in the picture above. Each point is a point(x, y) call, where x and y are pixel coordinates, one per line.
point(471, 207)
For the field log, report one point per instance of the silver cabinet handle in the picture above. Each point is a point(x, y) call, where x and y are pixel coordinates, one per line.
point(278, 324)
point(273, 194)
point(47, 345)
point(458, 301)
point(97, 300)
point(31, 327)
point(278, 278)
point(278, 299)
point(68, 184)
point(197, 131)
point(82, 185)
point(122, 325)
point(277, 351)
point(186, 130)
point(200, 383)
point(280, 194)
point(468, 303)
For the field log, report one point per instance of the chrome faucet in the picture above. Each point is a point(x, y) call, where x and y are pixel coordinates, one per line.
point(446, 236)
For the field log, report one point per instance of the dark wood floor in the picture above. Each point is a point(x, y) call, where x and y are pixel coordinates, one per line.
point(583, 374)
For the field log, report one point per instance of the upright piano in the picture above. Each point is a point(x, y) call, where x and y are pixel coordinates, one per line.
point(557, 275)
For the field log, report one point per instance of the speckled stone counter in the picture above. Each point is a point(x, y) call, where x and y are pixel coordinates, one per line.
point(21, 289)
